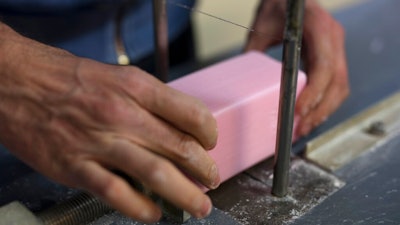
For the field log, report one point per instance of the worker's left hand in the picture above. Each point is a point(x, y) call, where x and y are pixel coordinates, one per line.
point(323, 56)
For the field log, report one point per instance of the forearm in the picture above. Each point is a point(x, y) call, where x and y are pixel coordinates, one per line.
point(6, 34)
point(25, 60)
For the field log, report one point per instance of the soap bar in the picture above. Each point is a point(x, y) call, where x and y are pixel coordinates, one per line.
point(243, 95)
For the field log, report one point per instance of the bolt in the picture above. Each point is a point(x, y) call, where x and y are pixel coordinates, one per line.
point(377, 128)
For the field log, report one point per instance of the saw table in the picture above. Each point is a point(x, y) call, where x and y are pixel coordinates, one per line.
point(365, 190)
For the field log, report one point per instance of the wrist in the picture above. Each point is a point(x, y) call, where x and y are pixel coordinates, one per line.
point(6, 34)
point(26, 63)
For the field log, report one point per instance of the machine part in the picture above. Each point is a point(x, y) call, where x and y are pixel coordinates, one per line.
point(290, 67)
point(174, 214)
point(250, 201)
point(361, 133)
point(371, 195)
point(16, 213)
point(171, 213)
point(217, 217)
point(80, 209)
point(377, 128)
point(160, 19)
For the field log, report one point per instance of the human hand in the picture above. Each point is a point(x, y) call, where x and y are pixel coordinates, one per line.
point(323, 56)
point(75, 120)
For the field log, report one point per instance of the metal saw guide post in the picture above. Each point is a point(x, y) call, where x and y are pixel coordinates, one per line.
point(290, 67)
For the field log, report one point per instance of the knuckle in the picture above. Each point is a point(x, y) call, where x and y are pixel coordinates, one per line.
point(105, 187)
point(109, 188)
point(139, 84)
point(157, 172)
point(200, 115)
point(111, 111)
point(204, 123)
point(342, 87)
point(143, 88)
point(185, 147)
point(129, 74)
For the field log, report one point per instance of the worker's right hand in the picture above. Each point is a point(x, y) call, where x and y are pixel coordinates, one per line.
point(76, 120)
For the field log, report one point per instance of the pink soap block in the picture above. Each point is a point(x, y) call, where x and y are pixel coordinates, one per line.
point(243, 95)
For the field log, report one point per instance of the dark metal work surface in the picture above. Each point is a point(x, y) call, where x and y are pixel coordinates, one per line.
point(371, 195)
point(372, 192)
point(287, 97)
point(247, 197)
point(217, 217)
point(250, 202)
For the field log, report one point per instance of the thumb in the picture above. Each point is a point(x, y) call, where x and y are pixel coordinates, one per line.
point(267, 28)
point(257, 41)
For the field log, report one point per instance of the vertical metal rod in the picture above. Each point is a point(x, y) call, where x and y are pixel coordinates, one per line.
point(290, 67)
point(160, 20)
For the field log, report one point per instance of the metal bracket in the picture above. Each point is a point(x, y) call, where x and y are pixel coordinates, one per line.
point(364, 131)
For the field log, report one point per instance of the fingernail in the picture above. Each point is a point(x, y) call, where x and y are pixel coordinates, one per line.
point(206, 208)
point(151, 215)
point(215, 177)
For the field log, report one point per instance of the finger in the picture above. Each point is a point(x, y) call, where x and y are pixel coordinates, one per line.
point(258, 41)
point(267, 28)
point(188, 114)
point(264, 34)
point(323, 51)
point(160, 137)
point(319, 78)
point(333, 98)
point(143, 121)
point(117, 193)
point(190, 156)
point(182, 111)
point(160, 176)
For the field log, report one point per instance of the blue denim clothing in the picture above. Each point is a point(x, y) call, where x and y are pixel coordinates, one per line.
point(88, 28)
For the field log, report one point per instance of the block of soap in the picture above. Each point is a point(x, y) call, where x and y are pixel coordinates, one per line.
point(243, 95)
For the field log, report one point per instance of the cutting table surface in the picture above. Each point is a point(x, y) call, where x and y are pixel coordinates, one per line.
point(371, 194)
